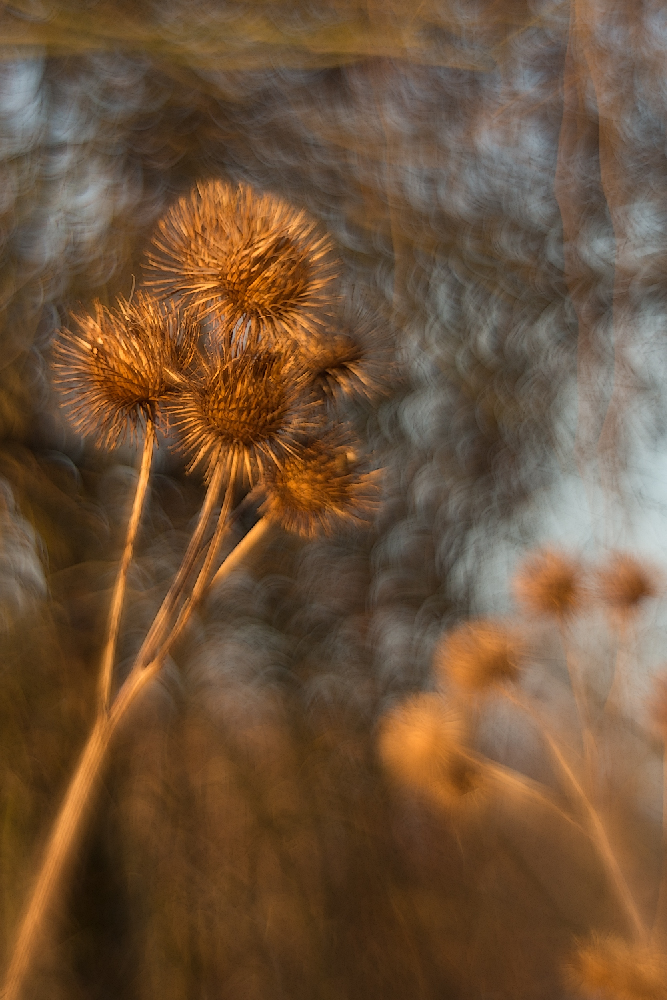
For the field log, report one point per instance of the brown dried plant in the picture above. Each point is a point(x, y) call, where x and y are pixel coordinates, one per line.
point(249, 404)
point(251, 259)
point(421, 745)
point(610, 968)
point(625, 582)
point(318, 489)
point(551, 583)
point(116, 367)
point(480, 655)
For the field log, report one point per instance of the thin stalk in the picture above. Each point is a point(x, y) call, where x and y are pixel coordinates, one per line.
point(68, 827)
point(152, 641)
point(587, 738)
point(598, 834)
point(118, 596)
point(659, 919)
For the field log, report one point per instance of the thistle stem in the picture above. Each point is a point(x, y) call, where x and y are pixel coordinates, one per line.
point(68, 827)
point(597, 832)
point(118, 596)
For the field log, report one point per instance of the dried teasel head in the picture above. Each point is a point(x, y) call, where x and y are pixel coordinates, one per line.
point(609, 968)
point(252, 260)
point(421, 745)
point(480, 655)
point(248, 406)
point(625, 583)
point(551, 583)
point(319, 488)
point(116, 367)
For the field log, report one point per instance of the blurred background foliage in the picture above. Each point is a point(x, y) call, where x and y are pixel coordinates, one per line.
point(245, 843)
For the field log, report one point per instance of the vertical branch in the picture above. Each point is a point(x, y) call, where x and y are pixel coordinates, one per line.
point(117, 598)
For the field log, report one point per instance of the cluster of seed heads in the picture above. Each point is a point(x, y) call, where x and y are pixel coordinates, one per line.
point(238, 345)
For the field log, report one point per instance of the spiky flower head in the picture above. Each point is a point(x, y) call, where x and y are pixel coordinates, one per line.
point(625, 582)
point(117, 366)
point(480, 655)
point(550, 583)
point(251, 259)
point(421, 745)
point(319, 488)
point(351, 360)
point(609, 968)
point(248, 406)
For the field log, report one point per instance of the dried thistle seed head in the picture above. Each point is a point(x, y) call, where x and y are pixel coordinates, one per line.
point(116, 366)
point(625, 583)
point(421, 746)
point(480, 655)
point(352, 361)
point(613, 969)
point(252, 258)
point(550, 583)
point(316, 489)
point(249, 405)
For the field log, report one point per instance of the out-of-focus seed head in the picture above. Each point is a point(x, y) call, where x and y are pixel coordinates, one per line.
point(317, 489)
point(249, 405)
point(480, 655)
point(116, 367)
point(352, 360)
point(550, 583)
point(609, 968)
point(251, 259)
point(420, 745)
point(625, 583)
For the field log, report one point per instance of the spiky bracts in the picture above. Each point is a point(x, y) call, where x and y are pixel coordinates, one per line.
point(317, 489)
point(115, 367)
point(252, 259)
point(249, 404)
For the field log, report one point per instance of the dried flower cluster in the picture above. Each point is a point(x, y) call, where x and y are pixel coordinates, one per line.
point(236, 347)
point(480, 655)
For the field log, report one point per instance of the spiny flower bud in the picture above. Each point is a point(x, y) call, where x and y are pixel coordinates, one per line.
point(612, 969)
point(420, 744)
point(550, 583)
point(625, 583)
point(251, 259)
point(248, 406)
point(115, 367)
point(479, 655)
point(315, 489)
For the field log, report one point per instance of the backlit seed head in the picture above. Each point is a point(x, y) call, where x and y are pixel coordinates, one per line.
point(550, 583)
point(480, 655)
point(625, 583)
point(421, 746)
point(352, 360)
point(317, 489)
point(116, 367)
point(609, 968)
point(249, 405)
point(251, 259)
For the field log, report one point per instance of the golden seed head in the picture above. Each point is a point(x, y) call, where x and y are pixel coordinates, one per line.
point(251, 259)
point(625, 582)
point(613, 969)
point(550, 583)
point(420, 745)
point(116, 367)
point(316, 489)
point(479, 655)
point(249, 405)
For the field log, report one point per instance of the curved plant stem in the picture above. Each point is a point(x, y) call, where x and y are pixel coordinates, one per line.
point(70, 820)
point(660, 918)
point(118, 596)
point(587, 738)
point(597, 832)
